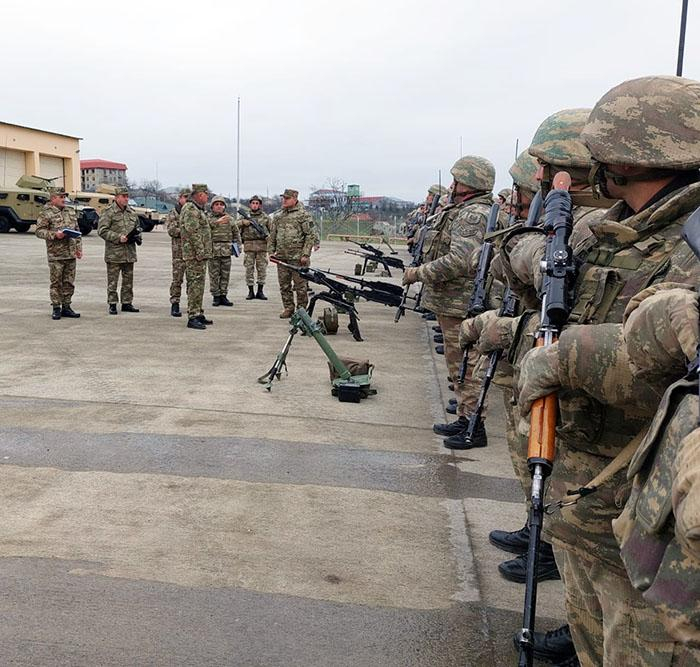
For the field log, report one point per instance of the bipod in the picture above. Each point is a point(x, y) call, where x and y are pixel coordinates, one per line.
point(280, 362)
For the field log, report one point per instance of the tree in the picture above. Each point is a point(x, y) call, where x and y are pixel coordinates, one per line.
point(332, 202)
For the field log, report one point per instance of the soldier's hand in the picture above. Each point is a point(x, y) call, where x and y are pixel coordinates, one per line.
point(539, 376)
point(410, 275)
point(470, 330)
point(496, 332)
point(304, 260)
point(78, 254)
point(245, 222)
point(123, 239)
point(60, 234)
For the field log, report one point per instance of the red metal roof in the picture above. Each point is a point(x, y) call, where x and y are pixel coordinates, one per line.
point(102, 164)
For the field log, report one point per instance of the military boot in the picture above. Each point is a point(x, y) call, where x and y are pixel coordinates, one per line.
point(437, 329)
point(516, 568)
point(223, 301)
point(514, 542)
point(56, 313)
point(203, 320)
point(287, 313)
point(555, 646)
point(440, 349)
point(216, 301)
point(451, 427)
point(451, 409)
point(129, 308)
point(452, 401)
point(251, 293)
point(459, 440)
point(438, 338)
point(67, 311)
point(112, 308)
point(194, 323)
point(175, 309)
point(260, 294)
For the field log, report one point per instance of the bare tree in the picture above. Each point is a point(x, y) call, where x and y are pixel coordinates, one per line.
point(332, 201)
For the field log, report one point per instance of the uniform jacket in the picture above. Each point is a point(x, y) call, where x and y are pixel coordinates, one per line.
point(291, 236)
point(115, 223)
point(195, 232)
point(51, 220)
point(252, 241)
point(224, 231)
point(172, 224)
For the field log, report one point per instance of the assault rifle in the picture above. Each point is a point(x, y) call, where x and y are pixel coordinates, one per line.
point(509, 308)
point(343, 295)
point(372, 254)
point(254, 224)
point(134, 236)
point(559, 273)
point(417, 250)
point(691, 235)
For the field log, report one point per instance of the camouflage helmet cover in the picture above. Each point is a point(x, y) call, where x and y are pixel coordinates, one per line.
point(475, 172)
point(255, 198)
point(505, 193)
point(524, 172)
point(437, 189)
point(557, 140)
point(219, 200)
point(651, 122)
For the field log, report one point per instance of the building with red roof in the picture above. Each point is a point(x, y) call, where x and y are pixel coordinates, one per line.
point(96, 172)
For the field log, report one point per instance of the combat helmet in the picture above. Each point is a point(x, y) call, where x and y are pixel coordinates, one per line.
point(437, 189)
point(474, 172)
point(524, 172)
point(218, 199)
point(651, 122)
point(557, 140)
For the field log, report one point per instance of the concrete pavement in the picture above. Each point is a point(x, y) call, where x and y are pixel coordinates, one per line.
point(162, 508)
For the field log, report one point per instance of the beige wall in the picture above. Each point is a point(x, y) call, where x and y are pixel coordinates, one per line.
point(35, 144)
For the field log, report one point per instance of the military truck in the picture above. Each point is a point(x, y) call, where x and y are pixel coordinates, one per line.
point(104, 196)
point(21, 205)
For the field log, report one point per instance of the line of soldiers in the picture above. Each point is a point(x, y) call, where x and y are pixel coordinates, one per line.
point(200, 240)
point(627, 547)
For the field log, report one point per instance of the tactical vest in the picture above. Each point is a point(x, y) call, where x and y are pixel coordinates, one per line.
point(656, 563)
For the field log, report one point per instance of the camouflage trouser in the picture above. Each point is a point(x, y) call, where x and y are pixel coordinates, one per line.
point(195, 272)
point(253, 260)
point(610, 622)
point(285, 277)
point(517, 445)
point(219, 274)
point(61, 281)
point(467, 394)
point(127, 291)
point(178, 276)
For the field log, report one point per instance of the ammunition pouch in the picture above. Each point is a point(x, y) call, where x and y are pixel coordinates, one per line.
point(355, 366)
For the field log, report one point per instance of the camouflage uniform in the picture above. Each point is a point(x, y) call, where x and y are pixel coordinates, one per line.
point(60, 252)
point(172, 224)
point(451, 252)
point(255, 247)
point(195, 233)
point(224, 232)
point(291, 238)
point(120, 257)
point(626, 252)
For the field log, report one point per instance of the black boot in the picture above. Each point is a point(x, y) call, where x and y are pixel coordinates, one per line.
point(112, 308)
point(514, 542)
point(129, 308)
point(203, 320)
point(251, 293)
point(194, 323)
point(67, 311)
point(451, 409)
point(516, 568)
point(260, 294)
point(460, 440)
point(451, 427)
point(555, 647)
point(438, 338)
point(440, 349)
point(175, 309)
point(56, 313)
point(216, 301)
point(223, 301)
point(437, 329)
point(452, 401)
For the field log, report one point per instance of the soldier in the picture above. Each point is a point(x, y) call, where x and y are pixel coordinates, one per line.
point(255, 247)
point(645, 143)
point(451, 247)
point(173, 227)
point(119, 227)
point(224, 232)
point(291, 241)
point(62, 251)
point(195, 232)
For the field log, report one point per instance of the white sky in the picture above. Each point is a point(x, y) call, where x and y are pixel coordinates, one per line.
point(376, 93)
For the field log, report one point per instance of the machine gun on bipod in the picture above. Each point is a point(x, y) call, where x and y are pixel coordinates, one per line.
point(343, 292)
point(370, 253)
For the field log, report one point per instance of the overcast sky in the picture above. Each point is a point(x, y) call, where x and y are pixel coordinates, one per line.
point(373, 92)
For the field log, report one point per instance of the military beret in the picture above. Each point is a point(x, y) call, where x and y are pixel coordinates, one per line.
point(255, 198)
point(61, 192)
point(290, 194)
point(121, 190)
point(184, 192)
point(199, 187)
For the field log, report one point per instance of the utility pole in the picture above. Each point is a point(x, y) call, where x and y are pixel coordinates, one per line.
point(238, 152)
point(681, 39)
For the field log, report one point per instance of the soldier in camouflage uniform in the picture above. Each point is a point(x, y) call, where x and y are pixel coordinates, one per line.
point(195, 232)
point(224, 232)
point(644, 138)
point(417, 217)
point(291, 240)
point(61, 250)
point(117, 221)
point(451, 250)
point(172, 224)
point(255, 247)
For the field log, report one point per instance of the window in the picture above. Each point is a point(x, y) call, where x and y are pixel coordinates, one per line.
point(22, 197)
point(40, 200)
point(3, 195)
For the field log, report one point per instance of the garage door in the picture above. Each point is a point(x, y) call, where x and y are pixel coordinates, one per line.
point(52, 167)
point(11, 166)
